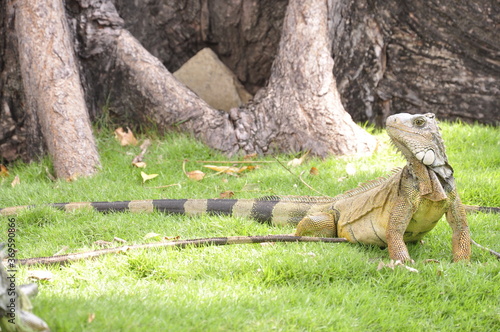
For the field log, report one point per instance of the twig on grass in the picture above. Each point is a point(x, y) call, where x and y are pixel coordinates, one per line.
point(215, 241)
point(493, 252)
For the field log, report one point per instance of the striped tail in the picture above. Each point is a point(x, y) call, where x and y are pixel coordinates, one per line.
point(277, 210)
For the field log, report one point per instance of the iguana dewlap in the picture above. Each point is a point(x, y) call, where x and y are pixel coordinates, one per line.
point(406, 205)
point(389, 211)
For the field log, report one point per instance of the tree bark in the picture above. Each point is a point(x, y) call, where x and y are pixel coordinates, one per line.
point(299, 110)
point(390, 56)
point(52, 85)
point(418, 56)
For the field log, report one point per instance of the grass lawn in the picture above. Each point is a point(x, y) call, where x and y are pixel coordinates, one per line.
point(282, 287)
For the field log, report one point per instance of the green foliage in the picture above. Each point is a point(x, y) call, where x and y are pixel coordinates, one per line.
point(283, 287)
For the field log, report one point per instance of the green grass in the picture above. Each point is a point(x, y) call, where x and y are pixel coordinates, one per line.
point(283, 287)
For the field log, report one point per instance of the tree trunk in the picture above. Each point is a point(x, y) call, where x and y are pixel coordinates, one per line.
point(390, 56)
point(52, 86)
point(299, 110)
point(418, 56)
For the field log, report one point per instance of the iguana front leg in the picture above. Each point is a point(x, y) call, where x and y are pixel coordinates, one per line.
point(460, 239)
point(400, 217)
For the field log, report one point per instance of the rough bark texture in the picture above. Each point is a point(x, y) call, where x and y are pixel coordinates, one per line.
point(19, 129)
point(390, 56)
point(300, 109)
point(414, 56)
point(140, 86)
point(244, 33)
point(52, 85)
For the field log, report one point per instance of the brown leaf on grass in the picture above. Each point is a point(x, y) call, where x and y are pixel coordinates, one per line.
point(4, 172)
point(248, 168)
point(231, 170)
point(147, 177)
point(297, 161)
point(226, 194)
point(314, 171)
point(250, 156)
point(195, 175)
point(172, 238)
point(72, 178)
point(125, 137)
point(140, 164)
point(16, 181)
point(222, 169)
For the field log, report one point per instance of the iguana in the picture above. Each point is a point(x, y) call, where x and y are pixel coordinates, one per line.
point(389, 211)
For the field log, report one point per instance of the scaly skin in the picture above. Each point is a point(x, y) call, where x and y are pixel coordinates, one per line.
point(407, 205)
point(389, 211)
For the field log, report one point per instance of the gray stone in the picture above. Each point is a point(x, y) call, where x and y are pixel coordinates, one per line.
point(210, 79)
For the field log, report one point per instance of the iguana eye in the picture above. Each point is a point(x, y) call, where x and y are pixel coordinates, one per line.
point(419, 122)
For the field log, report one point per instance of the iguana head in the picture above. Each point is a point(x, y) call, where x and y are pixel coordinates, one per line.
point(418, 137)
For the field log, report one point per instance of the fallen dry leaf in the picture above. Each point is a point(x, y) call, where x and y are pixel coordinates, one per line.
point(4, 172)
point(146, 177)
point(125, 137)
point(231, 170)
point(72, 178)
point(16, 181)
point(226, 194)
point(250, 156)
point(223, 169)
point(195, 175)
point(297, 161)
point(172, 238)
point(140, 164)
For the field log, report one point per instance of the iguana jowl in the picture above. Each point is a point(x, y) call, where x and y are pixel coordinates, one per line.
point(389, 211)
point(406, 205)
